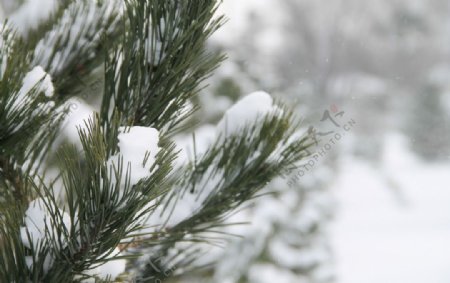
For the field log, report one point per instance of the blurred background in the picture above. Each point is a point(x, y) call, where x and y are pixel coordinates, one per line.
point(374, 207)
point(372, 79)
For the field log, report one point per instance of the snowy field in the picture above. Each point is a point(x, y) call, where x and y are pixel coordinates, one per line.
point(393, 221)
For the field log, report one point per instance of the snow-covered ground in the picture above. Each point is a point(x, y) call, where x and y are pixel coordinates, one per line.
point(393, 221)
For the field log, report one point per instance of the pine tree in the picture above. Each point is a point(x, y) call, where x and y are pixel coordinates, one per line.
point(129, 203)
point(428, 124)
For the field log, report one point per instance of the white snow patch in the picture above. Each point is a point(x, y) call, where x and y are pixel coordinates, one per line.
point(138, 147)
point(249, 110)
point(109, 270)
point(37, 221)
point(33, 78)
point(78, 111)
point(34, 83)
point(40, 230)
point(38, 80)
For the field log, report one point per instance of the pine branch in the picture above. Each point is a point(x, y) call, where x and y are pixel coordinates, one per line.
point(34, 35)
point(103, 212)
point(71, 43)
point(12, 186)
point(230, 173)
point(28, 125)
point(161, 61)
point(13, 256)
